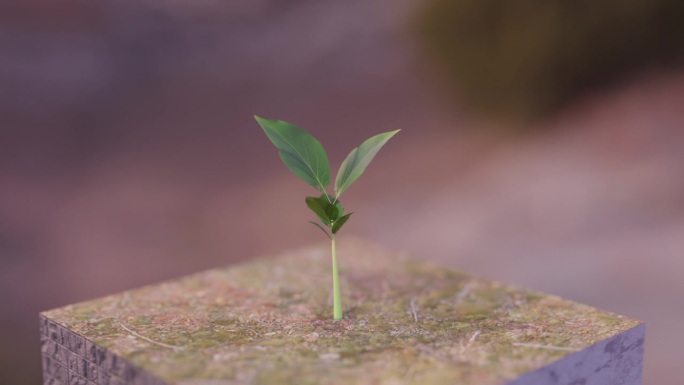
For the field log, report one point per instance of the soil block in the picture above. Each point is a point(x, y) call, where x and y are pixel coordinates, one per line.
point(406, 321)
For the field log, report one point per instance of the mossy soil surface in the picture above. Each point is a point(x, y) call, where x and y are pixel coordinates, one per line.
point(270, 322)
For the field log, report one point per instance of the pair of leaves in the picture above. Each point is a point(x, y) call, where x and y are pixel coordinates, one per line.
point(306, 157)
point(331, 214)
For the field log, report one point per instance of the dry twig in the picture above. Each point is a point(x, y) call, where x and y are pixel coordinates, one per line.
point(150, 340)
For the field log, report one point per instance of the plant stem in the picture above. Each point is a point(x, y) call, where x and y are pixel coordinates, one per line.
point(326, 195)
point(337, 298)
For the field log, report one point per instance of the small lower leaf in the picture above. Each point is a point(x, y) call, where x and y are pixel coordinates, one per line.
point(332, 211)
point(325, 210)
point(336, 202)
point(340, 209)
point(339, 223)
point(322, 229)
point(317, 205)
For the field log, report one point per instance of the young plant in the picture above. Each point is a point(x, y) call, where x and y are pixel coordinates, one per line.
point(306, 157)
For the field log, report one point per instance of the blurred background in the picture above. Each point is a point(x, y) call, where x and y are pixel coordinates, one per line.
point(542, 145)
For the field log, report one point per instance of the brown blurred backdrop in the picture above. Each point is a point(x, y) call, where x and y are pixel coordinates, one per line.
point(542, 145)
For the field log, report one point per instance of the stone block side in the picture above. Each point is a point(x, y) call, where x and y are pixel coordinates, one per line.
point(617, 360)
point(70, 359)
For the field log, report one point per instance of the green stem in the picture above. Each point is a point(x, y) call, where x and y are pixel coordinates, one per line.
point(337, 298)
point(326, 195)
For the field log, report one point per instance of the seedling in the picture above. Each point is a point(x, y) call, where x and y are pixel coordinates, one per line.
point(306, 157)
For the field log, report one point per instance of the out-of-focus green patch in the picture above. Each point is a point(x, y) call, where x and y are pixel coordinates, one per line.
point(523, 59)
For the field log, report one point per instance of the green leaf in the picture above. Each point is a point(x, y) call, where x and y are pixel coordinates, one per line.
point(301, 152)
point(340, 209)
point(339, 223)
point(325, 210)
point(338, 204)
point(358, 159)
point(317, 206)
point(332, 211)
point(322, 229)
